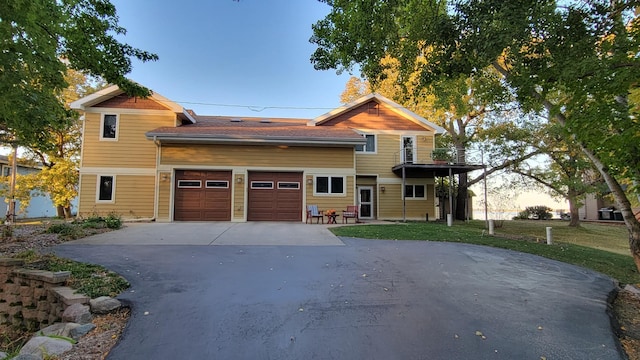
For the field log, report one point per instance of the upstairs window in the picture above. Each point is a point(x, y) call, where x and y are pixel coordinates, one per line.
point(369, 147)
point(109, 127)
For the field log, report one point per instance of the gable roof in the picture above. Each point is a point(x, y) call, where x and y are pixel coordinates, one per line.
point(395, 107)
point(113, 91)
point(248, 130)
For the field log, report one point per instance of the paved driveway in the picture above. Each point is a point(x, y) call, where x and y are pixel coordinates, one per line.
point(370, 299)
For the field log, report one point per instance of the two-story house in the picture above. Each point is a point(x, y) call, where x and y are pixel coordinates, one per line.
point(150, 158)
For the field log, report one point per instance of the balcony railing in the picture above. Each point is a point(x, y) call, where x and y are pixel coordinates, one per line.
point(435, 156)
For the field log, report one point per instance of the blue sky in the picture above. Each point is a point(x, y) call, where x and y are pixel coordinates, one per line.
point(251, 52)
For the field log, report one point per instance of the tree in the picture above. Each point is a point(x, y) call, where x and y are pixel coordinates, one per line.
point(39, 40)
point(574, 61)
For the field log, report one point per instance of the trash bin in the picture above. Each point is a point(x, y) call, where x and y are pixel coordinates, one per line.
point(617, 215)
point(605, 214)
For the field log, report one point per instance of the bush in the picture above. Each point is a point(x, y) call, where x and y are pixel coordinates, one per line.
point(539, 212)
point(113, 221)
point(64, 230)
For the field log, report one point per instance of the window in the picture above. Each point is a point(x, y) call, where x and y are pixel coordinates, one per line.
point(329, 185)
point(189, 184)
point(288, 185)
point(262, 184)
point(221, 184)
point(369, 147)
point(109, 127)
point(414, 192)
point(106, 188)
point(6, 171)
point(408, 149)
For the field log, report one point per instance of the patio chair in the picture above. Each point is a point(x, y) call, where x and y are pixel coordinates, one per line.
point(350, 213)
point(313, 212)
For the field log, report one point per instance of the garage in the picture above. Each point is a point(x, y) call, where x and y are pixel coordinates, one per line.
point(202, 195)
point(274, 196)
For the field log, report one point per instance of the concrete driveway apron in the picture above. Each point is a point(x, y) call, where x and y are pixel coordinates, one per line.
point(370, 299)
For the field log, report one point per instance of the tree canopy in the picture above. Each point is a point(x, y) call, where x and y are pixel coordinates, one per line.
point(575, 61)
point(39, 40)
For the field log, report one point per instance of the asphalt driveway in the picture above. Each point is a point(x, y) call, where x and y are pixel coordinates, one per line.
point(370, 299)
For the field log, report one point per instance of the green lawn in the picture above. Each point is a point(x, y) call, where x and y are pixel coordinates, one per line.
point(595, 246)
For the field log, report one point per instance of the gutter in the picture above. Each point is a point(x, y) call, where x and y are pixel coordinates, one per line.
point(256, 141)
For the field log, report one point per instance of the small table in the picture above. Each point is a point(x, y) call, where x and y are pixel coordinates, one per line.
point(331, 219)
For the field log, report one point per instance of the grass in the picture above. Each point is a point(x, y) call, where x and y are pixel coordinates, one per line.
point(594, 246)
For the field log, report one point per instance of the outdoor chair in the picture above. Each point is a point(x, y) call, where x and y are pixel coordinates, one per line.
point(350, 213)
point(313, 212)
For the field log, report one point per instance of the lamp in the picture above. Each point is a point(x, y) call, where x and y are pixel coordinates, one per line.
point(164, 177)
point(382, 188)
point(310, 181)
point(239, 179)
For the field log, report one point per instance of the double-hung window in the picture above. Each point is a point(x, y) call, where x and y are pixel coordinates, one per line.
point(109, 127)
point(414, 192)
point(329, 185)
point(369, 147)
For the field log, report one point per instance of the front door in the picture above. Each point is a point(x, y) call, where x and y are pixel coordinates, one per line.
point(365, 202)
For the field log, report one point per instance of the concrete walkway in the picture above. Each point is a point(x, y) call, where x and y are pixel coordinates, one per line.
point(217, 233)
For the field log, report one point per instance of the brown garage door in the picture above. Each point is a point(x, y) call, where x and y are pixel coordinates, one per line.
point(275, 196)
point(202, 195)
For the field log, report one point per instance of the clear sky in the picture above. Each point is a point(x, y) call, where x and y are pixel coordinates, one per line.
point(251, 52)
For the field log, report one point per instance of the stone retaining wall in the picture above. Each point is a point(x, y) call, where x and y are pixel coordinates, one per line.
point(30, 299)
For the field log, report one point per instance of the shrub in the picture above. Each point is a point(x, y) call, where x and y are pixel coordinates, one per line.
point(64, 230)
point(113, 221)
point(539, 212)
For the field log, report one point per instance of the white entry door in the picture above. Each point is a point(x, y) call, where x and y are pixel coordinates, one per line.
point(365, 202)
point(408, 149)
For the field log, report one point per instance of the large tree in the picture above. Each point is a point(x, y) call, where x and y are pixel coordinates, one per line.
point(39, 40)
point(576, 61)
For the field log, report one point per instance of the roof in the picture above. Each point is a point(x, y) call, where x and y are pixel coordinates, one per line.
point(225, 129)
point(112, 91)
point(400, 110)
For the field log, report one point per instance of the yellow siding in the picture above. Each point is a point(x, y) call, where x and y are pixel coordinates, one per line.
point(133, 197)
point(390, 204)
point(337, 203)
point(257, 156)
point(164, 197)
point(388, 155)
point(131, 150)
point(238, 197)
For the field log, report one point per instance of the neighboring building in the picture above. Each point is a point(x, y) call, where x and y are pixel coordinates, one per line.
point(39, 206)
point(150, 158)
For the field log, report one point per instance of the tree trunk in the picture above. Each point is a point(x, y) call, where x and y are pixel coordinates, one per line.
point(67, 212)
point(461, 197)
point(573, 209)
point(623, 203)
point(60, 211)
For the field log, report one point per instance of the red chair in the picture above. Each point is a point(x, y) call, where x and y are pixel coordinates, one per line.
point(313, 212)
point(350, 213)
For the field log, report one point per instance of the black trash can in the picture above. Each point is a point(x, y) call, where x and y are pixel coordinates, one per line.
point(605, 214)
point(617, 215)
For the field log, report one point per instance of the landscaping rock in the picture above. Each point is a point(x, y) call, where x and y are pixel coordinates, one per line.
point(59, 329)
point(27, 357)
point(104, 305)
point(77, 313)
point(81, 331)
point(3, 355)
point(633, 290)
point(42, 345)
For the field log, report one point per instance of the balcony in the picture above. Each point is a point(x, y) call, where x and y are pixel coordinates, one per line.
point(440, 162)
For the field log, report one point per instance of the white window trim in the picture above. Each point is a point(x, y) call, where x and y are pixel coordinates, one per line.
point(344, 185)
point(414, 191)
point(375, 142)
point(113, 189)
point(288, 182)
point(415, 148)
point(102, 127)
point(190, 186)
point(206, 185)
point(262, 188)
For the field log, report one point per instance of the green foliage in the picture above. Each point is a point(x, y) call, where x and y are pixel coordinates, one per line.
point(538, 212)
point(39, 41)
point(113, 221)
point(65, 230)
point(91, 280)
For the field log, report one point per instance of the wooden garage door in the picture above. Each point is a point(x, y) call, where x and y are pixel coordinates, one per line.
point(202, 195)
point(275, 196)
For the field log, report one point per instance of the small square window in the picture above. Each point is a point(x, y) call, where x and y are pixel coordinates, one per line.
point(369, 147)
point(105, 188)
point(109, 127)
